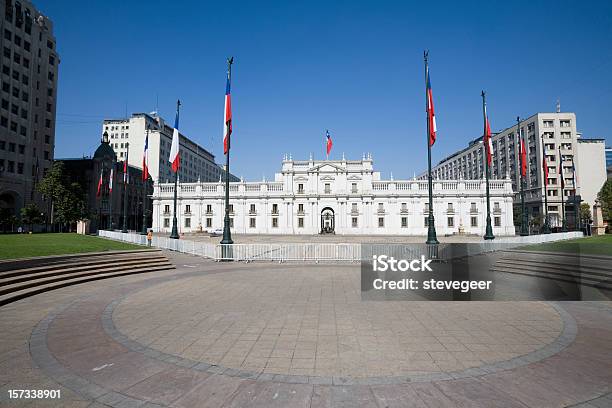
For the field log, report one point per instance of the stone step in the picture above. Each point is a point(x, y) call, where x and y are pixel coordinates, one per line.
point(20, 294)
point(11, 264)
point(605, 284)
point(79, 264)
point(24, 275)
point(572, 270)
point(36, 281)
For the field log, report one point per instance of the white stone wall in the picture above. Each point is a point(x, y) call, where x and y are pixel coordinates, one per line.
point(399, 199)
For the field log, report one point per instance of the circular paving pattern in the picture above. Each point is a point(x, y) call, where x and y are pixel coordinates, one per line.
point(312, 322)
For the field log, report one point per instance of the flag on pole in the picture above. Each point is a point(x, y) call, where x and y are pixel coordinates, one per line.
point(99, 192)
point(175, 158)
point(561, 173)
point(328, 142)
point(227, 116)
point(487, 138)
point(145, 158)
point(110, 182)
point(574, 176)
point(126, 178)
point(523, 158)
point(431, 116)
point(545, 169)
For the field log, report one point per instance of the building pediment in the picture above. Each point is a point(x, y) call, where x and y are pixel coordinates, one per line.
point(301, 178)
point(327, 168)
point(327, 177)
point(353, 177)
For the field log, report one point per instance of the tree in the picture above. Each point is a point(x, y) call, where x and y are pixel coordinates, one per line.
point(70, 207)
point(605, 198)
point(5, 218)
point(585, 213)
point(31, 214)
point(53, 185)
point(67, 199)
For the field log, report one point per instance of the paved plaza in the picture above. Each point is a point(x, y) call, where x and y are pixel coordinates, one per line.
point(272, 335)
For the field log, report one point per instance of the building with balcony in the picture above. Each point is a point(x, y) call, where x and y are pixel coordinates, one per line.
point(548, 136)
point(335, 196)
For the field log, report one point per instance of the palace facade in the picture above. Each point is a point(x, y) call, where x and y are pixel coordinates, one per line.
point(335, 196)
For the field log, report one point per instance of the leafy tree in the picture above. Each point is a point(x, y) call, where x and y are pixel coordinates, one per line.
point(31, 214)
point(70, 207)
point(67, 199)
point(585, 212)
point(605, 198)
point(5, 218)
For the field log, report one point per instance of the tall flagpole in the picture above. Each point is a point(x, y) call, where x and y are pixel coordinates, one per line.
point(546, 229)
point(524, 215)
point(110, 196)
point(488, 230)
point(145, 184)
point(125, 190)
point(431, 229)
point(227, 234)
point(174, 234)
point(563, 220)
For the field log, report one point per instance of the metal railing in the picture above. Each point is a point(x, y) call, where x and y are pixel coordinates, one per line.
point(328, 252)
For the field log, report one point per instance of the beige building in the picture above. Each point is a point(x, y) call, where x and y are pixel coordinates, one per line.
point(28, 92)
point(590, 168)
point(196, 161)
point(549, 135)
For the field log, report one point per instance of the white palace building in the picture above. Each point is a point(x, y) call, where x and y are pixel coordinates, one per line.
point(335, 196)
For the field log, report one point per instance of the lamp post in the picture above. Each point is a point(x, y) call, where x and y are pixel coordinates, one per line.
point(226, 250)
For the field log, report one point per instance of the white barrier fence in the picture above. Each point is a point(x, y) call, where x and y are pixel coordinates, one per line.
point(328, 252)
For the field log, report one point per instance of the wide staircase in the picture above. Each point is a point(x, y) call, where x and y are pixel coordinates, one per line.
point(23, 278)
point(587, 270)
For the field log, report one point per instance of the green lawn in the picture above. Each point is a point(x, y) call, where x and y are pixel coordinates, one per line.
point(25, 245)
point(598, 245)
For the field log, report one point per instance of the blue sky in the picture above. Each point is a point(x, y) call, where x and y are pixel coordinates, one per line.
point(355, 68)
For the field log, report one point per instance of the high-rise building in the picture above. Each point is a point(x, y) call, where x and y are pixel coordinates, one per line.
point(196, 162)
point(550, 135)
point(28, 99)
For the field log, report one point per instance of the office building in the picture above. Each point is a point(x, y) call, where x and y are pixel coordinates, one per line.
point(197, 163)
point(28, 93)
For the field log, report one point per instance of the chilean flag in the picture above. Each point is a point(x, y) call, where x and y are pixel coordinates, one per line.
point(99, 185)
point(544, 169)
point(145, 158)
point(227, 117)
point(431, 116)
point(328, 142)
point(561, 173)
point(523, 158)
point(126, 178)
point(110, 182)
point(175, 158)
point(487, 138)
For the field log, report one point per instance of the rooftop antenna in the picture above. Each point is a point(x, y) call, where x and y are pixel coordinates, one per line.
point(157, 104)
point(558, 105)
